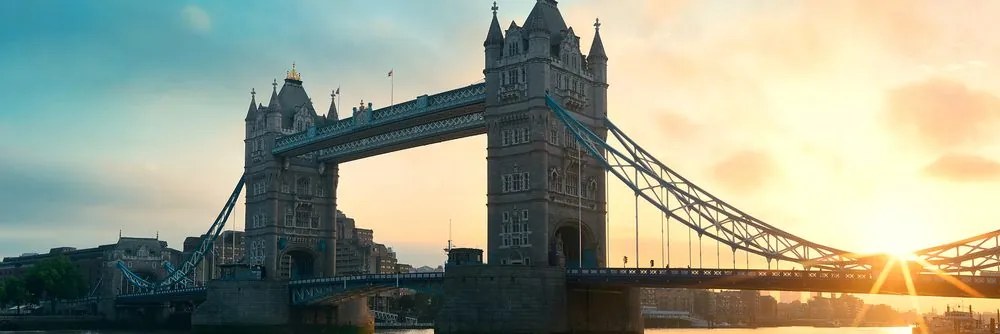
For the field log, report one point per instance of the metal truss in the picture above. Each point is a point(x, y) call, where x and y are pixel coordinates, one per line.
point(978, 253)
point(422, 105)
point(181, 275)
point(428, 130)
point(679, 199)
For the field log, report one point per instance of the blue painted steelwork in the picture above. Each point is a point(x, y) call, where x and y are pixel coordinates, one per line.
point(153, 296)
point(428, 130)
point(420, 106)
point(330, 290)
point(696, 208)
point(169, 267)
point(180, 275)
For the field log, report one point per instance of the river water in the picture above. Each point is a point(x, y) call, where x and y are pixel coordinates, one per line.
point(777, 330)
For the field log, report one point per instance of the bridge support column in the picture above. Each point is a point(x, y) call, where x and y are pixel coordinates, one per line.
point(503, 299)
point(604, 310)
point(243, 307)
point(265, 307)
point(348, 317)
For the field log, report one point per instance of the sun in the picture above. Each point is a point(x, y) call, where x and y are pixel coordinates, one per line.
point(894, 228)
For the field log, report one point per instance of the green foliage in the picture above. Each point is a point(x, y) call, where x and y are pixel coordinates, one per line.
point(14, 291)
point(54, 278)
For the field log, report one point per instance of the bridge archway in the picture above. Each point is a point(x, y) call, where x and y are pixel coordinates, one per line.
point(297, 263)
point(565, 246)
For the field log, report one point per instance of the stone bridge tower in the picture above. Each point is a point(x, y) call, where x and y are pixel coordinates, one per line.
point(541, 186)
point(290, 202)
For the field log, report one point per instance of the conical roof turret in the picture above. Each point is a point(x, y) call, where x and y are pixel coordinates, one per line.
point(332, 113)
point(252, 111)
point(495, 35)
point(274, 105)
point(597, 47)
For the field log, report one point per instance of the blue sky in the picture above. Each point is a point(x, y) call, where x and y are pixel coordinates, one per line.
point(879, 118)
point(102, 97)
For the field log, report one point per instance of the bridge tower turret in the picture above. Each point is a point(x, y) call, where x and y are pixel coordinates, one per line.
point(290, 202)
point(541, 189)
point(597, 63)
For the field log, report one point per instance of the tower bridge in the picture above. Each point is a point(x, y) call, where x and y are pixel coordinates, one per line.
point(551, 146)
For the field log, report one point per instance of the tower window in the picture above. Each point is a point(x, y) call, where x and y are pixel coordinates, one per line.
point(302, 187)
point(514, 182)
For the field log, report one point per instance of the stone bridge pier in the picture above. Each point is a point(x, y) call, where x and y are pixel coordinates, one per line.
point(486, 299)
point(265, 307)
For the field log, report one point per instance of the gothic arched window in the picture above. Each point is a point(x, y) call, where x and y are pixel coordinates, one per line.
point(572, 179)
point(592, 189)
point(302, 187)
point(303, 215)
point(555, 183)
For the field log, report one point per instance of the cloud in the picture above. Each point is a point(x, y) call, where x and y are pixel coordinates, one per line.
point(196, 18)
point(677, 126)
point(963, 168)
point(942, 113)
point(44, 196)
point(745, 171)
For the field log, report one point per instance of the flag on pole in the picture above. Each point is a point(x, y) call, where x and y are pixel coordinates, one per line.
point(390, 73)
point(338, 91)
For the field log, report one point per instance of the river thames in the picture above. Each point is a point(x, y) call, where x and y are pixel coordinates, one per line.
point(775, 330)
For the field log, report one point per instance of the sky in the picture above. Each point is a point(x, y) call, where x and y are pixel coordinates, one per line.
point(865, 126)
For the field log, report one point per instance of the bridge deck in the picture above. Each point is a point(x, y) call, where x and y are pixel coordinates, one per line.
point(848, 281)
point(334, 289)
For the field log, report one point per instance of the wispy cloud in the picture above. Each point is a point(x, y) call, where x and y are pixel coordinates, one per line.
point(745, 171)
point(943, 113)
point(196, 18)
point(964, 168)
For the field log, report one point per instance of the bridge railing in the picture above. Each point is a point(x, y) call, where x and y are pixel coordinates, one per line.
point(368, 277)
point(779, 274)
point(164, 292)
point(369, 118)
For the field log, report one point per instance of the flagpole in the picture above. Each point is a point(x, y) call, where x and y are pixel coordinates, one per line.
point(392, 88)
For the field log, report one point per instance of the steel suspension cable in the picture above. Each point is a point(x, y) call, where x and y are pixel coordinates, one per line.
point(637, 223)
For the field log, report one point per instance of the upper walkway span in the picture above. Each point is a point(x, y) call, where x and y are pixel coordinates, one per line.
point(427, 119)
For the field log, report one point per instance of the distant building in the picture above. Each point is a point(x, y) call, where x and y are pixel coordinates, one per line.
point(98, 265)
point(767, 309)
point(428, 269)
point(228, 248)
point(357, 251)
point(403, 268)
point(790, 296)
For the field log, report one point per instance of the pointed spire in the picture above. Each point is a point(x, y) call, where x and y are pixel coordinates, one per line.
point(332, 114)
point(274, 105)
point(252, 111)
point(597, 47)
point(495, 36)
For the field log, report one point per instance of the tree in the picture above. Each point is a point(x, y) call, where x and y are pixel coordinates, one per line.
point(15, 291)
point(55, 278)
point(3, 294)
